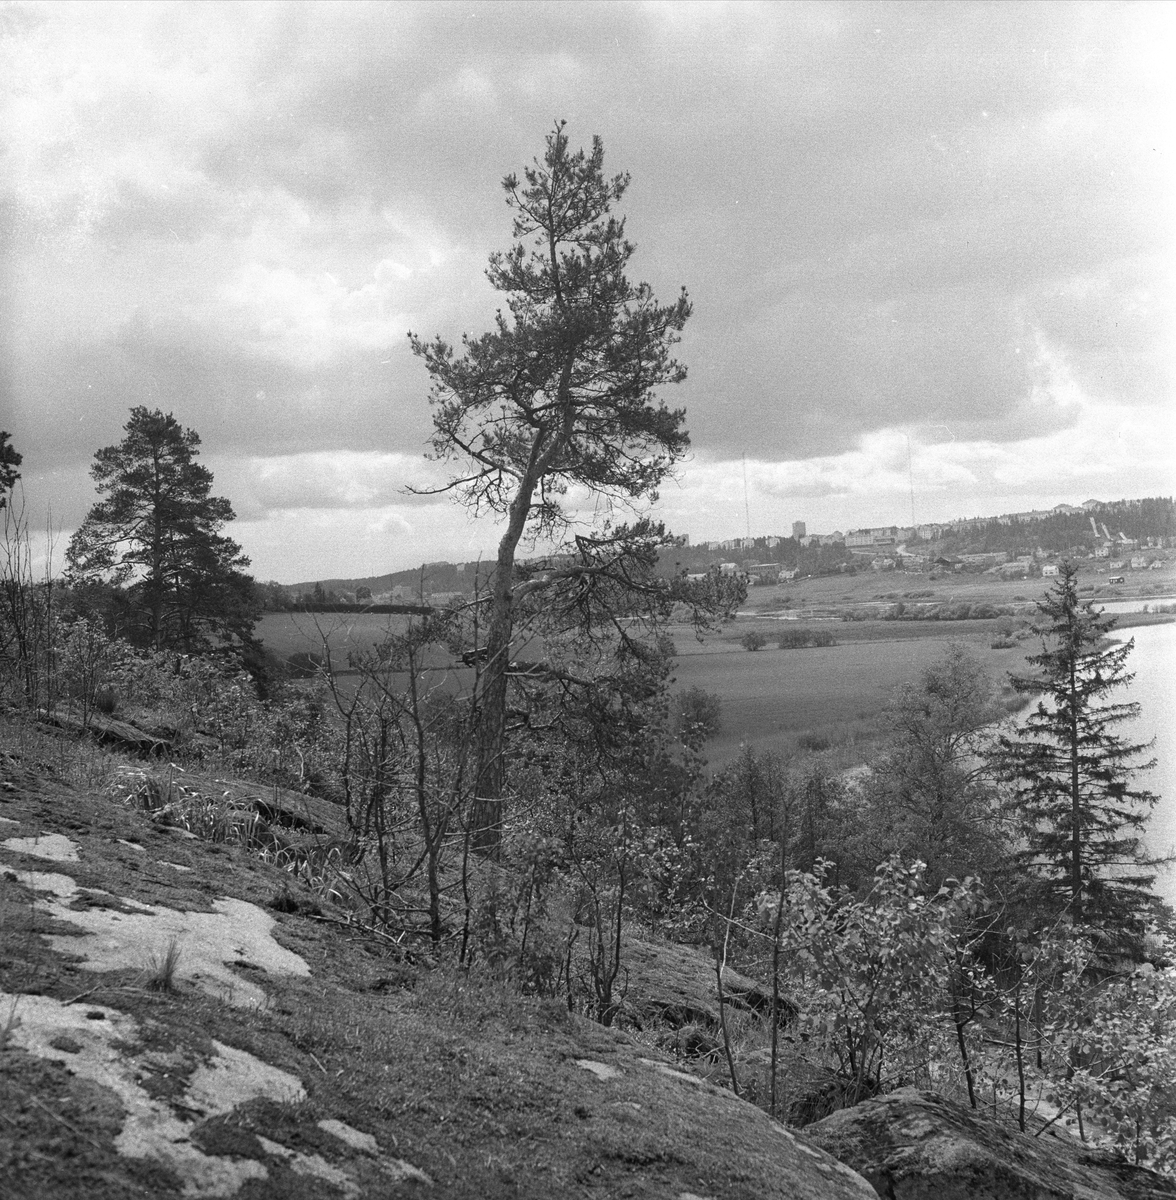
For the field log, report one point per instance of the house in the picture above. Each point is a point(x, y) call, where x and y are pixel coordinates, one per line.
point(1049, 569)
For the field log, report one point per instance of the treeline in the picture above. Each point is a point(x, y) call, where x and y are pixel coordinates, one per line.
point(1057, 533)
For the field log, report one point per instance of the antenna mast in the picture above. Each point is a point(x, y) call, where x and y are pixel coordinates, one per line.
point(911, 480)
point(746, 509)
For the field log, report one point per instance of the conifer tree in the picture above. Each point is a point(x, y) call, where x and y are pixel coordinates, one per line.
point(1072, 770)
point(10, 460)
point(561, 393)
point(156, 531)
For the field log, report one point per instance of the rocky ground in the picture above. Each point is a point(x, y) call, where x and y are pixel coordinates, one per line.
point(179, 1017)
point(179, 1020)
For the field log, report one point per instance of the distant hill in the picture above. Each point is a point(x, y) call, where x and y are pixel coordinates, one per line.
point(1065, 528)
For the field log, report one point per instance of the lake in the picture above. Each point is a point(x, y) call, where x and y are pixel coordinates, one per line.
point(1154, 690)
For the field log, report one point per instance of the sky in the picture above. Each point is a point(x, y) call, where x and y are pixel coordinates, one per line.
point(929, 248)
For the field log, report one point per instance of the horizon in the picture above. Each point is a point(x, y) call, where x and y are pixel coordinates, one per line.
point(929, 250)
point(693, 544)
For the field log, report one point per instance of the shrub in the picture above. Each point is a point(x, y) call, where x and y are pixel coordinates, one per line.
point(699, 714)
point(797, 639)
point(753, 641)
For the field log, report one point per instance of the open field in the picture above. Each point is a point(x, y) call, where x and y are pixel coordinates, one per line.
point(292, 633)
point(771, 698)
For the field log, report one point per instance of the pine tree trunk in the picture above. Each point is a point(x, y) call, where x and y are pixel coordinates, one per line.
point(490, 780)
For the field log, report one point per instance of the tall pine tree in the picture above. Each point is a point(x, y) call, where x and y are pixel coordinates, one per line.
point(1072, 770)
point(561, 394)
point(156, 532)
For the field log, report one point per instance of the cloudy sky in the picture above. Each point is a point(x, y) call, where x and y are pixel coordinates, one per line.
point(930, 248)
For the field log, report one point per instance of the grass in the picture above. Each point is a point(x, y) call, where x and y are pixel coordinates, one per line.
point(9, 1024)
point(775, 698)
point(161, 975)
point(453, 1071)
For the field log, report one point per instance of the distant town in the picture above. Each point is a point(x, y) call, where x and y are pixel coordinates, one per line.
point(1109, 537)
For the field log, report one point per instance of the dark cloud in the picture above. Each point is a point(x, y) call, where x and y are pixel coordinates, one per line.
point(238, 398)
point(888, 215)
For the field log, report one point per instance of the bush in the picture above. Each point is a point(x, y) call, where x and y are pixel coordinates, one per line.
point(797, 639)
point(753, 641)
point(699, 714)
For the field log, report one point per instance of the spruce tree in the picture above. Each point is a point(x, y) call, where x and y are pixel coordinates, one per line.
point(1072, 771)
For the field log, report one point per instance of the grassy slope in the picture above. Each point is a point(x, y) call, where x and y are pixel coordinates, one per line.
point(462, 1077)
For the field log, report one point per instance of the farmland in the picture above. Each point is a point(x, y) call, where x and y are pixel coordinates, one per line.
point(778, 699)
point(774, 698)
point(292, 633)
point(771, 698)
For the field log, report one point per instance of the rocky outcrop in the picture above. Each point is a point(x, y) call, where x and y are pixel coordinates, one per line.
point(914, 1145)
point(167, 1029)
point(676, 985)
point(111, 732)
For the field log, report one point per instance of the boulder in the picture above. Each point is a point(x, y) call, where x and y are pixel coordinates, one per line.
point(676, 985)
point(109, 731)
point(914, 1145)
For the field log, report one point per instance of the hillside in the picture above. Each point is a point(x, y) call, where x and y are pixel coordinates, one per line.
point(179, 1016)
point(289, 1053)
point(1066, 529)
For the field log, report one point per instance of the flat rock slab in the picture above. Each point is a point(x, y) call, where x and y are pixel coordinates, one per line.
point(914, 1145)
point(214, 948)
point(53, 847)
point(102, 1045)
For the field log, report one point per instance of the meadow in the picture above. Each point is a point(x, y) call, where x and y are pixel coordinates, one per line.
point(785, 700)
point(292, 633)
point(774, 699)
